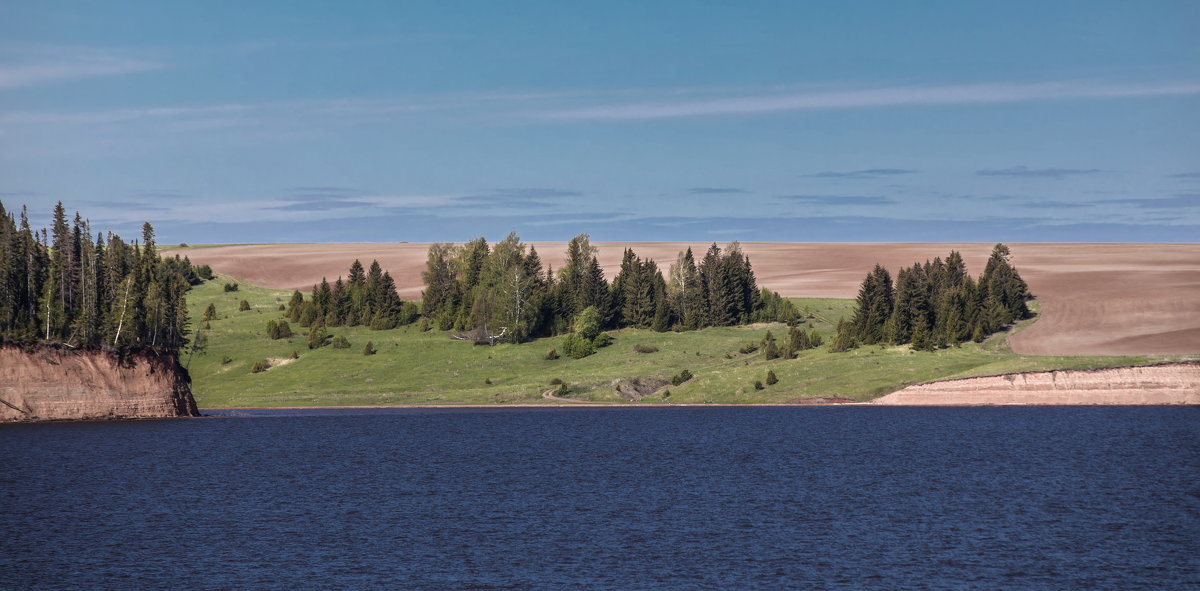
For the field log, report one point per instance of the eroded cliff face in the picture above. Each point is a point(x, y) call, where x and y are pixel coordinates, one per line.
point(1175, 383)
point(49, 384)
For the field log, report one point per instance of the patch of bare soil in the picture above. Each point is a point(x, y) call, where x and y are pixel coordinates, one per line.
point(1168, 384)
point(819, 400)
point(1097, 299)
point(638, 388)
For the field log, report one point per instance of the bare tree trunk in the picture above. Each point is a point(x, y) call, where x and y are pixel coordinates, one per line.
point(124, 303)
point(518, 298)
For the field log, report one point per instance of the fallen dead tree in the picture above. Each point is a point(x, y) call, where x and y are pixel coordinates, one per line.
point(482, 336)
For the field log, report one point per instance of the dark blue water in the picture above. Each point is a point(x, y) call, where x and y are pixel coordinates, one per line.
point(681, 498)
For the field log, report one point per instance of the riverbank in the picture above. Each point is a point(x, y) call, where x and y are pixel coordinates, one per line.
point(1166, 384)
point(58, 384)
point(1172, 384)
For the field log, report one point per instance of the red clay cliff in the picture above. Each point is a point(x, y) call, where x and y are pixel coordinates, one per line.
point(51, 384)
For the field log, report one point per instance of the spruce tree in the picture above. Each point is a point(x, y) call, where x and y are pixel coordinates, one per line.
point(770, 347)
point(874, 306)
point(843, 339)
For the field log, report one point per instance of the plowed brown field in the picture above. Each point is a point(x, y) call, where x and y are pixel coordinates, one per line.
point(1097, 299)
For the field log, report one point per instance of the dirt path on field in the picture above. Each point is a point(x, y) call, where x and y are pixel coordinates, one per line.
point(549, 395)
point(1097, 299)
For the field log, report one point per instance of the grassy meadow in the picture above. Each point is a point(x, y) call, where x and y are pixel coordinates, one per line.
point(415, 368)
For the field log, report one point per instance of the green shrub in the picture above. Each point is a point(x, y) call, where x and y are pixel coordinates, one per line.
point(587, 323)
point(243, 306)
point(317, 337)
point(772, 379)
point(282, 307)
point(383, 321)
point(681, 377)
point(602, 340)
point(640, 348)
point(340, 342)
point(552, 354)
point(279, 329)
point(210, 313)
point(576, 346)
point(230, 287)
point(555, 382)
point(747, 349)
point(758, 385)
point(369, 348)
point(226, 360)
point(260, 366)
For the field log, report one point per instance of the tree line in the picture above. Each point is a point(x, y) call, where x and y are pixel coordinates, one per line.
point(59, 286)
point(481, 287)
point(936, 304)
point(365, 298)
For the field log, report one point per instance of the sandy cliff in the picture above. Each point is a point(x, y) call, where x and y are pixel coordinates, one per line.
point(55, 384)
point(1176, 383)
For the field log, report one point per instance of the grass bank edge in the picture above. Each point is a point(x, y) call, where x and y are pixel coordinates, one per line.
point(416, 368)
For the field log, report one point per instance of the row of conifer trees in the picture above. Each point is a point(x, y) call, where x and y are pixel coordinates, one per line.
point(366, 298)
point(936, 304)
point(480, 287)
point(61, 287)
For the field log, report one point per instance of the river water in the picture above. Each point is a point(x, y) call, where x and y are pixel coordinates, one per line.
point(608, 498)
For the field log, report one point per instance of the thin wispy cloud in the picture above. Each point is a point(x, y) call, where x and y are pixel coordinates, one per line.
point(579, 218)
point(124, 115)
point(867, 173)
point(347, 202)
point(716, 191)
point(321, 205)
point(1185, 175)
point(1025, 171)
point(493, 202)
point(514, 198)
point(131, 205)
point(1056, 205)
point(293, 114)
point(957, 94)
point(23, 67)
point(161, 194)
point(1182, 201)
point(329, 194)
point(536, 193)
point(838, 199)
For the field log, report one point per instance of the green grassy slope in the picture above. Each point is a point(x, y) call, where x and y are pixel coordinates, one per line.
point(414, 367)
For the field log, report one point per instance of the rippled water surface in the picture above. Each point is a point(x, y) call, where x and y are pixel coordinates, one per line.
point(681, 498)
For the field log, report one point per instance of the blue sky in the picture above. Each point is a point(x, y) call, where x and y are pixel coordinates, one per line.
point(772, 121)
